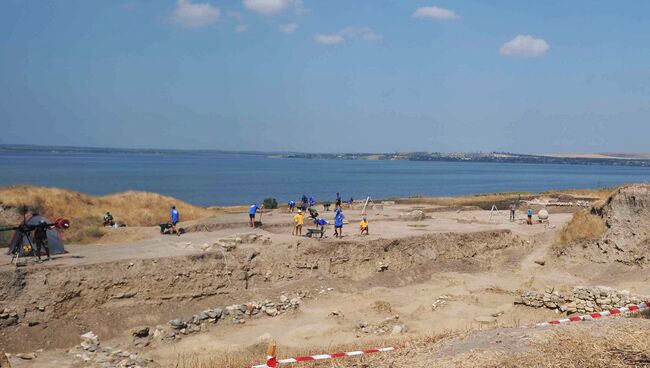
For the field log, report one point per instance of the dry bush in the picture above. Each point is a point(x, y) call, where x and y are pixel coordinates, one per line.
point(85, 211)
point(583, 227)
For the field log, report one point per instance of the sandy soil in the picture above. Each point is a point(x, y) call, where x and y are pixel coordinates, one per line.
point(477, 260)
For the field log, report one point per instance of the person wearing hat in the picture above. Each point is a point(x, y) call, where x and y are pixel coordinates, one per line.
point(363, 226)
point(252, 210)
point(299, 219)
point(174, 217)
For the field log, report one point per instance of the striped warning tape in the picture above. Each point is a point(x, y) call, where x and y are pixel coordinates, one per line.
point(587, 317)
point(272, 362)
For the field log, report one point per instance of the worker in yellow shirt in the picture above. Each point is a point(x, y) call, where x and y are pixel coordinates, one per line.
point(363, 226)
point(299, 219)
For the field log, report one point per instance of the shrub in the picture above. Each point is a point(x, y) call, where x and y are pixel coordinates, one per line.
point(270, 203)
point(583, 227)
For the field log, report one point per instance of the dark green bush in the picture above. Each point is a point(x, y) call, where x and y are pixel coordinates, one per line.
point(270, 203)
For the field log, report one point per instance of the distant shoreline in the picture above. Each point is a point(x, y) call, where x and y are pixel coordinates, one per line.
point(495, 157)
point(608, 159)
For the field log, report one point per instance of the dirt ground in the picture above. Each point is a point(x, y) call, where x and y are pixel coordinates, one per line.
point(471, 263)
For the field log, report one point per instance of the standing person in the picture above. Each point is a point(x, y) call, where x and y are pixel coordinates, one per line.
point(513, 209)
point(312, 202)
point(338, 201)
point(252, 210)
point(174, 217)
point(292, 206)
point(363, 226)
point(530, 216)
point(299, 219)
point(40, 238)
point(338, 223)
point(304, 201)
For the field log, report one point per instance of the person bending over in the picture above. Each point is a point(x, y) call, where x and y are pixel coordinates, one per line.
point(252, 210)
point(363, 226)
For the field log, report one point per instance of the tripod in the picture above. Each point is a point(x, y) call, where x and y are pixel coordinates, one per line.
point(22, 231)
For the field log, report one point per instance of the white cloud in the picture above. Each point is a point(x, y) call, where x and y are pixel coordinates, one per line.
point(434, 12)
point(341, 36)
point(195, 15)
point(525, 46)
point(288, 28)
point(329, 39)
point(241, 28)
point(267, 6)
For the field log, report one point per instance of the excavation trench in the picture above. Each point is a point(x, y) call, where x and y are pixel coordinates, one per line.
point(54, 305)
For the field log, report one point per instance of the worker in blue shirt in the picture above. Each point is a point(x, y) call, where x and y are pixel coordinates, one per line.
point(338, 201)
point(338, 223)
point(252, 210)
point(174, 217)
point(292, 206)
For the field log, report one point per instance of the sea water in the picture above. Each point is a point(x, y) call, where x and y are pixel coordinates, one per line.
point(206, 178)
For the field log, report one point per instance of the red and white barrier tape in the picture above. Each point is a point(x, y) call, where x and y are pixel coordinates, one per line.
point(587, 317)
point(272, 362)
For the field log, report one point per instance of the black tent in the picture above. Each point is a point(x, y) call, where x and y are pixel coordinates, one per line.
point(54, 241)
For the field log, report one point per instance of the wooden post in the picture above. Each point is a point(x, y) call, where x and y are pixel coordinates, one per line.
point(271, 358)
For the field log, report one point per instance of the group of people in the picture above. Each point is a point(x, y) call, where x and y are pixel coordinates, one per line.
point(308, 206)
point(513, 210)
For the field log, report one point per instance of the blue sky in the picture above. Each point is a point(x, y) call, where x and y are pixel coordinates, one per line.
point(327, 76)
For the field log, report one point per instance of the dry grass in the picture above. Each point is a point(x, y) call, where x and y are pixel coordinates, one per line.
point(86, 212)
point(593, 194)
point(609, 345)
point(583, 227)
point(257, 354)
point(612, 343)
point(480, 200)
point(486, 201)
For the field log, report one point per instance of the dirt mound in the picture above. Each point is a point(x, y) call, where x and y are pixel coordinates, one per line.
point(617, 230)
point(627, 218)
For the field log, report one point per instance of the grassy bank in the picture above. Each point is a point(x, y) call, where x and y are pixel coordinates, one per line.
point(86, 212)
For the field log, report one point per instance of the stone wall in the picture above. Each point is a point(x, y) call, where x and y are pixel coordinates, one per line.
point(581, 300)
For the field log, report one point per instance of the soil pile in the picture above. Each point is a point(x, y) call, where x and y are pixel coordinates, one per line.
point(627, 218)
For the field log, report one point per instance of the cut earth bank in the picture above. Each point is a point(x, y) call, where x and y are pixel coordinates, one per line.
point(223, 288)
